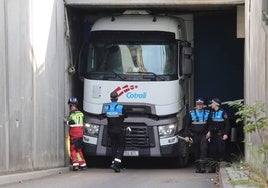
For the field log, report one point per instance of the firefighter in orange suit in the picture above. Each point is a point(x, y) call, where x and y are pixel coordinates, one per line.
point(75, 122)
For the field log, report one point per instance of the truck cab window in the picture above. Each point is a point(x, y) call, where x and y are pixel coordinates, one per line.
point(128, 58)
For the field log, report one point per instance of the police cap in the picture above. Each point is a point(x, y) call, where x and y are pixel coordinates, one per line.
point(113, 95)
point(199, 101)
point(216, 101)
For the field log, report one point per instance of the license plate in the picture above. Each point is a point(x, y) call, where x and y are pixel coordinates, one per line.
point(131, 153)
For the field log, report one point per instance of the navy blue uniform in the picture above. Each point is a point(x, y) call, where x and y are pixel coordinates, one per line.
point(218, 126)
point(115, 117)
point(197, 129)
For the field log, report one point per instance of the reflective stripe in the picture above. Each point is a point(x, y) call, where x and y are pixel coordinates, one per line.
point(113, 114)
point(117, 160)
point(218, 120)
point(75, 164)
point(199, 123)
point(76, 125)
point(83, 165)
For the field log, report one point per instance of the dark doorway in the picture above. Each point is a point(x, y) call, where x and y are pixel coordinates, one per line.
point(219, 65)
point(219, 56)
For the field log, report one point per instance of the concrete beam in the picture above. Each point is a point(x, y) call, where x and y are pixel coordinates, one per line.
point(154, 2)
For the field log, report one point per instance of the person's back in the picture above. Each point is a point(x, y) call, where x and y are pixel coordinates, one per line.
point(75, 123)
point(114, 113)
point(115, 129)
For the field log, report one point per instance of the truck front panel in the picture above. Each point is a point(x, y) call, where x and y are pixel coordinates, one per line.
point(161, 98)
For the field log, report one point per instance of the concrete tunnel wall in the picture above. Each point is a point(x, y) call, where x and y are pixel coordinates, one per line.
point(34, 84)
point(256, 74)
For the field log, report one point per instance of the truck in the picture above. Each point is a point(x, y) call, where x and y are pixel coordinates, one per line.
point(147, 59)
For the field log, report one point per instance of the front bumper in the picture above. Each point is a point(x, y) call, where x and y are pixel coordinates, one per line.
point(167, 147)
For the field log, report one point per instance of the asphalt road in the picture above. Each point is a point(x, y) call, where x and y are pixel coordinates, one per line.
point(136, 174)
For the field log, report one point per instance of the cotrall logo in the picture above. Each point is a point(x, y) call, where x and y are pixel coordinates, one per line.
point(126, 88)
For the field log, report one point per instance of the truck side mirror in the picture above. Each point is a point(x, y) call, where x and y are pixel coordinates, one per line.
point(187, 53)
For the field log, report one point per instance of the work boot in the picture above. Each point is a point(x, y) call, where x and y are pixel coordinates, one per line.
point(202, 168)
point(115, 166)
point(212, 170)
point(197, 168)
point(112, 166)
point(83, 166)
point(75, 168)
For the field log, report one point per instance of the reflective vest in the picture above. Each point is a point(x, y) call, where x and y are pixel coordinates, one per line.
point(218, 123)
point(113, 110)
point(217, 116)
point(199, 116)
point(199, 121)
point(114, 113)
point(76, 119)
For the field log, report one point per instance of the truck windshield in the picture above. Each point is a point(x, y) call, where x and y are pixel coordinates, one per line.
point(158, 59)
point(154, 59)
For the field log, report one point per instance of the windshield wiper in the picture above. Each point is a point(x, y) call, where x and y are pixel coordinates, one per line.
point(150, 74)
point(107, 75)
point(113, 75)
point(119, 76)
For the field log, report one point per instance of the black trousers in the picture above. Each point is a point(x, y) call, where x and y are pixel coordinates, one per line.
point(217, 148)
point(200, 147)
point(117, 142)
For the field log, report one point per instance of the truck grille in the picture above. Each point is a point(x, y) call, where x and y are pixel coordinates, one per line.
point(140, 136)
point(137, 131)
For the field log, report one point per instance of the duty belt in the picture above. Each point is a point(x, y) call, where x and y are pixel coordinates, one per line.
point(218, 132)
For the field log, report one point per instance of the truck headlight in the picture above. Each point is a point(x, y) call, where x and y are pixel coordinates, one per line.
point(91, 129)
point(167, 130)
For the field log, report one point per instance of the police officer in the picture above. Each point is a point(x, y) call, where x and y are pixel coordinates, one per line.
point(75, 122)
point(115, 117)
point(219, 128)
point(197, 130)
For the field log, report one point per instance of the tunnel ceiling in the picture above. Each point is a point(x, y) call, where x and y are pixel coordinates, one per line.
point(156, 6)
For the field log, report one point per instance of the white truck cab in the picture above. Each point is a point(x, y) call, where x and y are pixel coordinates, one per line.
point(146, 59)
